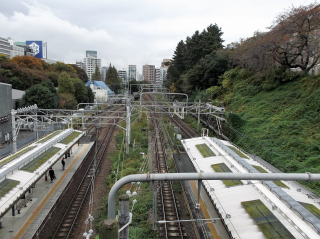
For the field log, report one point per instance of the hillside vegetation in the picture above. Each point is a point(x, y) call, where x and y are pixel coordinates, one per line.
point(281, 125)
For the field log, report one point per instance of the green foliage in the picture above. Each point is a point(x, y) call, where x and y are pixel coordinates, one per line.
point(62, 67)
point(112, 79)
point(6, 185)
point(280, 124)
point(80, 90)
point(39, 160)
point(222, 168)
point(67, 101)
point(44, 95)
point(205, 150)
point(90, 95)
point(96, 76)
point(82, 75)
point(65, 84)
point(266, 221)
point(235, 120)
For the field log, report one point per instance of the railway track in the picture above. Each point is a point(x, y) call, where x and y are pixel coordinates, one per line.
point(62, 219)
point(167, 203)
point(186, 130)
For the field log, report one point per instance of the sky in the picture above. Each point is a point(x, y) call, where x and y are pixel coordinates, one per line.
point(131, 32)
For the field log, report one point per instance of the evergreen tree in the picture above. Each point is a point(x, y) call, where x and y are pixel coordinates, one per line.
point(96, 76)
point(112, 79)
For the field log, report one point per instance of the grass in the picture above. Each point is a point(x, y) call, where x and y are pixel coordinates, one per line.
point(69, 138)
point(49, 136)
point(277, 182)
point(39, 160)
point(141, 226)
point(222, 168)
point(311, 208)
point(6, 185)
point(266, 221)
point(238, 152)
point(205, 150)
point(280, 125)
point(16, 155)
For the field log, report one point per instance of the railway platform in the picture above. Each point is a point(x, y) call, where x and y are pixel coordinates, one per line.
point(23, 223)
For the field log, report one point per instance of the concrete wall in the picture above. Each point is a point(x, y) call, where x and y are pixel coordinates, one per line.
point(5, 109)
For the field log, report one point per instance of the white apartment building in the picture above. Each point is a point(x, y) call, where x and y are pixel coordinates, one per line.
point(5, 46)
point(90, 64)
point(132, 72)
point(157, 76)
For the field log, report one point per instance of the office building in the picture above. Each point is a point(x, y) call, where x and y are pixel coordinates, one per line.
point(163, 75)
point(5, 46)
point(123, 75)
point(157, 76)
point(148, 72)
point(93, 54)
point(132, 72)
point(90, 64)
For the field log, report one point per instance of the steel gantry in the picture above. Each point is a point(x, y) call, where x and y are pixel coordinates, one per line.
point(42, 118)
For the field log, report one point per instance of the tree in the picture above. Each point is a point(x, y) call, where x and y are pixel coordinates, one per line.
point(65, 84)
point(4, 57)
point(295, 37)
point(112, 79)
point(44, 95)
point(67, 101)
point(80, 72)
point(96, 76)
point(28, 62)
point(90, 95)
point(60, 67)
point(80, 92)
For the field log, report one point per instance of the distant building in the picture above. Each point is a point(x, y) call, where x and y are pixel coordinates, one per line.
point(100, 90)
point(132, 72)
point(163, 75)
point(5, 46)
point(5, 112)
point(164, 63)
point(90, 65)
point(148, 72)
point(93, 54)
point(157, 76)
point(104, 70)
point(123, 76)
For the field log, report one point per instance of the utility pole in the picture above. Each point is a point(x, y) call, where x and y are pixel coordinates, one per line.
point(14, 136)
point(128, 126)
point(123, 214)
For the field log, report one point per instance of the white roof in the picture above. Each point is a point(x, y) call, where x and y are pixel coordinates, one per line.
point(27, 179)
point(228, 199)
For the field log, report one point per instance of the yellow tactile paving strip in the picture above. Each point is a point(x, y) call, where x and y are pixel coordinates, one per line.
point(205, 212)
point(53, 189)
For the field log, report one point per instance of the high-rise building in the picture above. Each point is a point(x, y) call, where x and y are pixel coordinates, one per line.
point(148, 72)
point(123, 76)
point(4, 46)
point(132, 72)
point(93, 54)
point(90, 65)
point(157, 76)
point(163, 75)
point(104, 70)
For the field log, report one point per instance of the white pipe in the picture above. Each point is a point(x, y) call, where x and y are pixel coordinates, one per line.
point(130, 220)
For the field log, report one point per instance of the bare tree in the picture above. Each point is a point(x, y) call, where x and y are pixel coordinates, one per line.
point(294, 37)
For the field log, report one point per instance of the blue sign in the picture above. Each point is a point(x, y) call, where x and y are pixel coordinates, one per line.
point(36, 47)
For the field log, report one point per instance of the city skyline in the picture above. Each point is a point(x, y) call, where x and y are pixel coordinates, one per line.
point(126, 33)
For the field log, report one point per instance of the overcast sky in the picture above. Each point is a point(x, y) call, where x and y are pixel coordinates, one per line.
point(133, 32)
